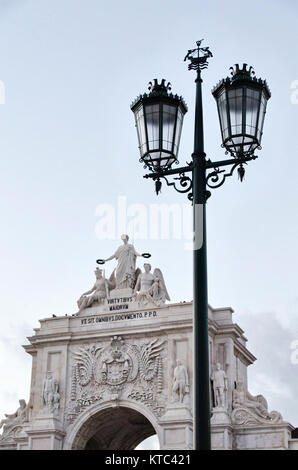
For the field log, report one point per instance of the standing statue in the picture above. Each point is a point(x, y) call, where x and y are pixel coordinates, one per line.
point(220, 386)
point(99, 291)
point(151, 287)
point(15, 419)
point(50, 395)
point(126, 268)
point(181, 385)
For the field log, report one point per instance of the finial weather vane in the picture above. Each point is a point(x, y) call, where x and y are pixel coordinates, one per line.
point(198, 62)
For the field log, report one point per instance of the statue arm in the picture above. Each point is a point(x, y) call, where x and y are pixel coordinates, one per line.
point(135, 252)
point(90, 291)
point(12, 416)
point(111, 257)
point(115, 255)
point(138, 283)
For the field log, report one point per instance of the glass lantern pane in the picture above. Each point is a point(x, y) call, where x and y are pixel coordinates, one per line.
point(178, 131)
point(152, 121)
point(235, 98)
point(168, 126)
point(252, 108)
point(139, 116)
point(261, 117)
point(222, 111)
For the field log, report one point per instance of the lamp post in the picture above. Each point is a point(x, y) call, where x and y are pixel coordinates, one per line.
point(241, 102)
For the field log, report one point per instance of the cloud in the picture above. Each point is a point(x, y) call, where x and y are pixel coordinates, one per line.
point(15, 366)
point(273, 374)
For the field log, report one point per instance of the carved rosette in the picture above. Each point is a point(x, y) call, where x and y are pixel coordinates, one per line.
point(119, 370)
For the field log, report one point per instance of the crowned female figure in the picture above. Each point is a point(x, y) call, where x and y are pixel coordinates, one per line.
point(126, 268)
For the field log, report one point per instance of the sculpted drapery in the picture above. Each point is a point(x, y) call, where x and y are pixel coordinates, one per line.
point(126, 268)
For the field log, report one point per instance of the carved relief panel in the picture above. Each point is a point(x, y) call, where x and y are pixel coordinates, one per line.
point(120, 369)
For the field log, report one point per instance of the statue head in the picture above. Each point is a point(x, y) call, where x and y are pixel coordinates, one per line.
point(98, 273)
point(147, 267)
point(124, 238)
point(49, 374)
point(22, 403)
point(178, 362)
point(218, 366)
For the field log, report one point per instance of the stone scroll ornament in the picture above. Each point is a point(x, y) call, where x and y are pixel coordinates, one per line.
point(102, 373)
point(249, 409)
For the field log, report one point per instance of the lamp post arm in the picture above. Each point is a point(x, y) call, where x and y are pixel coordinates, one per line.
point(232, 161)
point(176, 171)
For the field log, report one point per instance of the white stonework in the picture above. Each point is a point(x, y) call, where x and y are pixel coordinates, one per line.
point(118, 372)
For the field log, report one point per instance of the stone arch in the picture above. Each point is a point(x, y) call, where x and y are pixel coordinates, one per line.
point(114, 426)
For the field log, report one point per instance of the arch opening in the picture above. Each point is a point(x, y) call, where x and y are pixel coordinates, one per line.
point(118, 428)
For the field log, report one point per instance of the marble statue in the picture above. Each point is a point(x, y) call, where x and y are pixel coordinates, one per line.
point(15, 419)
point(242, 398)
point(126, 268)
point(50, 395)
point(249, 409)
point(180, 385)
point(158, 290)
point(151, 287)
point(220, 386)
point(98, 293)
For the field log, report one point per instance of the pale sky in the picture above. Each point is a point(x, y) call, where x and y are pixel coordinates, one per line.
point(71, 69)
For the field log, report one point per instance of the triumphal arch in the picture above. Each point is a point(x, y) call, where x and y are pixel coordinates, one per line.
point(120, 370)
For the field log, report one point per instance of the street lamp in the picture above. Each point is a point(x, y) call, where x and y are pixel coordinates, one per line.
point(159, 118)
point(241, 102)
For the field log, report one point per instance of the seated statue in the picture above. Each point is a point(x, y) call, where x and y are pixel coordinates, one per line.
point(98, 293)
point(15, 419)
point(249, 408)
point(243, 398)
point(150, 288)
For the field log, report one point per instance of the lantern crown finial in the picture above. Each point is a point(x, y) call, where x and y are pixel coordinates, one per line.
point(158, 89)
point(244, 73)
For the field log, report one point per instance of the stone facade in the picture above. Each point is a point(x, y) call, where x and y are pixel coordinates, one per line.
point(112, 382)
point(120, 370)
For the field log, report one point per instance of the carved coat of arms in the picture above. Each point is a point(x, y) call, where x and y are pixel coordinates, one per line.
point(101, 373)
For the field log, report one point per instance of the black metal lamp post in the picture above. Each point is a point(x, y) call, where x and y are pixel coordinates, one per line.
point(241, 102)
